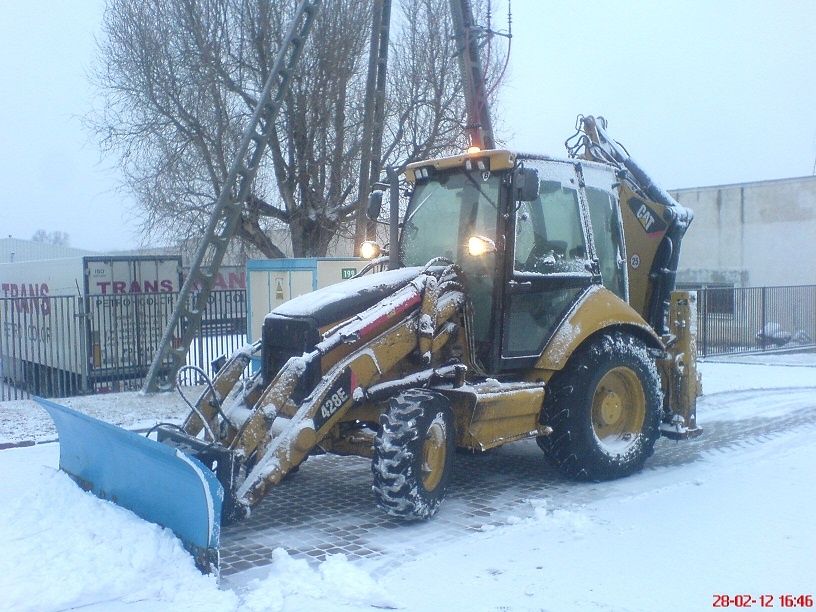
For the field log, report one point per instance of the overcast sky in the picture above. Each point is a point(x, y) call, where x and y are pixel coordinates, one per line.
point(700, 92)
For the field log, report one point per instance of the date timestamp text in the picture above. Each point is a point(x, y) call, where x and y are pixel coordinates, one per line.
point(743, 600)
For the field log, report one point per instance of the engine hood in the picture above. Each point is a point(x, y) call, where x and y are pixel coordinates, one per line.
point(345, 299)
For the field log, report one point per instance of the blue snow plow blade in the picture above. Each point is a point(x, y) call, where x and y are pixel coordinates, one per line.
point(157, 482)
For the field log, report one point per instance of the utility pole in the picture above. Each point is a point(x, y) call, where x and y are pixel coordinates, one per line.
point(373, 114)
point(379, 106)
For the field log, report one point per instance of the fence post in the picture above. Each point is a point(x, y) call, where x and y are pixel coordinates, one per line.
point(704, 310)
point(763, 320)
point(200, 363)
point(83, 317)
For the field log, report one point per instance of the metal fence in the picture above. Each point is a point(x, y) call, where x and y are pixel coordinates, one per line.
point(59, 346)
point(67, 345)
point(755, 319)
point(42, 347)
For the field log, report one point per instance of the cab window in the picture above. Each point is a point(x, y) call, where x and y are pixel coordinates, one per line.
point(607, 229)
point(608, 240)
point(549, 235)
point(444, 212)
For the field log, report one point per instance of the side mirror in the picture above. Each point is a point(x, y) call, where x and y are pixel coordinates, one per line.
point(375, 199)
point(525, 184)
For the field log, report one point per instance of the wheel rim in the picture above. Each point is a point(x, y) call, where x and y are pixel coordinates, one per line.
point(618, 410)
point(434, 452)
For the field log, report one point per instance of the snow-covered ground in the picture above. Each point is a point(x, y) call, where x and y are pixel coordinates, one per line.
point(24, 421)
point(733, 517)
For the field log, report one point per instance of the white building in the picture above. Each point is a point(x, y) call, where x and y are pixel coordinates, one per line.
point(750, 234)
point(14, 250)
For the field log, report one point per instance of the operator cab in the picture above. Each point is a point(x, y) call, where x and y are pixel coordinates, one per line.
point(533, 251)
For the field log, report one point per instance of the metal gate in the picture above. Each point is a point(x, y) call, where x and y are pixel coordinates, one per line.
point(59, 346)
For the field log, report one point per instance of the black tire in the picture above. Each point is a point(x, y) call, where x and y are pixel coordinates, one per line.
point(604, 408)
point(417, 423)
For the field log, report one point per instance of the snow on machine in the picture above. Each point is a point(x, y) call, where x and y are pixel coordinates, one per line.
point(533, 298)
point(526, 297)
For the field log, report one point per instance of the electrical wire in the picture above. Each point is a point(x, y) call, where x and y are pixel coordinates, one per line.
point(507, 56)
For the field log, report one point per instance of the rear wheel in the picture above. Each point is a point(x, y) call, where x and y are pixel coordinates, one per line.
point(604, 409)
point(413, 454)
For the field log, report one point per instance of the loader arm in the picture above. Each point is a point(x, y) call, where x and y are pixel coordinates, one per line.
point(204, 414)
point(379, 338)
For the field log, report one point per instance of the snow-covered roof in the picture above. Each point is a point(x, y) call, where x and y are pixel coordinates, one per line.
point(15, 249)
point(792, 180)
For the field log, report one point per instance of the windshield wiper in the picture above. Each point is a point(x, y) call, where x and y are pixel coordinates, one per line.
point(481, 191)
point(416, 208)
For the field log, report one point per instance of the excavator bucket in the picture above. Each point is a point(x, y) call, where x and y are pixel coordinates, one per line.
point(157, 482)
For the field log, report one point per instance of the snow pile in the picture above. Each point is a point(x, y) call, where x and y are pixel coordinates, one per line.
point(294, 584)
point(557, 520)
point(65, 548)
point(661, 540)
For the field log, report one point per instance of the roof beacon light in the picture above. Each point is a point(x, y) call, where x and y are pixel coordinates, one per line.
point(471, 150)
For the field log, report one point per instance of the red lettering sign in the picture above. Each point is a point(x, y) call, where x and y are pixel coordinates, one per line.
point(37, 294)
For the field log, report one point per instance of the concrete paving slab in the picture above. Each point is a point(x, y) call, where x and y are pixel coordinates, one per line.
point(327, 507)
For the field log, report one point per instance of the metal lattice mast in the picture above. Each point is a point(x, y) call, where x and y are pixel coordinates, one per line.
point(480, 128)
point(170, 355)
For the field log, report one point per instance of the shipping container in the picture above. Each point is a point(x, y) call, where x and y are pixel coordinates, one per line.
point(84, 324)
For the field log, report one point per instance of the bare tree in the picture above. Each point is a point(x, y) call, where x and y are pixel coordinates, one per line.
point(179, 78)
point(56, 237)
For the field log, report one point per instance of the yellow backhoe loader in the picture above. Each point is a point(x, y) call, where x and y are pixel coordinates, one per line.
point(533, 298)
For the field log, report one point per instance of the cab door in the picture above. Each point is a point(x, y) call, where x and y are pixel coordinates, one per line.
point(602, 203)
point(552, 263)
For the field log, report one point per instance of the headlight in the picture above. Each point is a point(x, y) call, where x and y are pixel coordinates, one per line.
point(480, 245)
point(370, 250)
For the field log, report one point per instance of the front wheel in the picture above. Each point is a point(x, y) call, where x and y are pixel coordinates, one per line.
point(604, 408)
point(413, 454)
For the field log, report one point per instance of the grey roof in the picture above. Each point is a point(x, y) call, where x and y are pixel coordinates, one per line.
point(792, 180)
point(15, 249)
